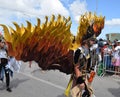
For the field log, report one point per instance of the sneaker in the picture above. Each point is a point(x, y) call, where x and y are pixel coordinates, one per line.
point(9, 90)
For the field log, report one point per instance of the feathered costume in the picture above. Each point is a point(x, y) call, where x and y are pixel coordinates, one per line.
point(51, 44)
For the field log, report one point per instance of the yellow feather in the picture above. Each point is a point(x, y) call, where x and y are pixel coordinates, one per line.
point(7, 35)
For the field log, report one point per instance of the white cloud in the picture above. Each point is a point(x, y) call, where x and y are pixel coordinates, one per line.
point(53, 6)
point(77, 8)
point(113, 22)
point(16, 9)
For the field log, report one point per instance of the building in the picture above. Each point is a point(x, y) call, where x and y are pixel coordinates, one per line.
point(113, 36)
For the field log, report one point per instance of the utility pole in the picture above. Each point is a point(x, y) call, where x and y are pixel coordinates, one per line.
point(96, 6)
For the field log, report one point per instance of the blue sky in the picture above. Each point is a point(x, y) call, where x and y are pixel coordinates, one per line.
point(21, 10)
point(110, 9)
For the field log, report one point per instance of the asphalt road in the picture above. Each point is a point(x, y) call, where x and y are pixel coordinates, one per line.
point(33, 82)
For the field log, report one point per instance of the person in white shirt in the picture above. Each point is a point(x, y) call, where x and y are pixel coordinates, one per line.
point(3, 64)
point(117, 58)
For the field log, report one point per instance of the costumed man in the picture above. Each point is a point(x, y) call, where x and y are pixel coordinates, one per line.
point(81, 80)
point(3, 64)
point(81, 61)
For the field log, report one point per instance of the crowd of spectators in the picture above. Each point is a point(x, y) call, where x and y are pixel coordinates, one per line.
point(108, 53)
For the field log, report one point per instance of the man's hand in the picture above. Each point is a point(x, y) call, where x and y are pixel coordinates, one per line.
point(82, 86)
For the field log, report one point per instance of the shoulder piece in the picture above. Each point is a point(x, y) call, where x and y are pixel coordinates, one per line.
point(78, 54)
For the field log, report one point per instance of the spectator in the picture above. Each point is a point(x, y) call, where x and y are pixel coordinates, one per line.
point(117, 57)
point(3, 64)
point(107, 51)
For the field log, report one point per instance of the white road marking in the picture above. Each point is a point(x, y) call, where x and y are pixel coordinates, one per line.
point(44, 81)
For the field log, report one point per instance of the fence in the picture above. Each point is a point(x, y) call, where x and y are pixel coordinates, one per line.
point(106, 67)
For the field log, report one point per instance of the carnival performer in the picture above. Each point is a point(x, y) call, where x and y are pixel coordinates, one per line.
point(3, 64)
point(82, 81)
point(117, 58)
point(81, 78)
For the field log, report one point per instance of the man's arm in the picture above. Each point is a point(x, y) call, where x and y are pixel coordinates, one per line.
point(77, 71)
